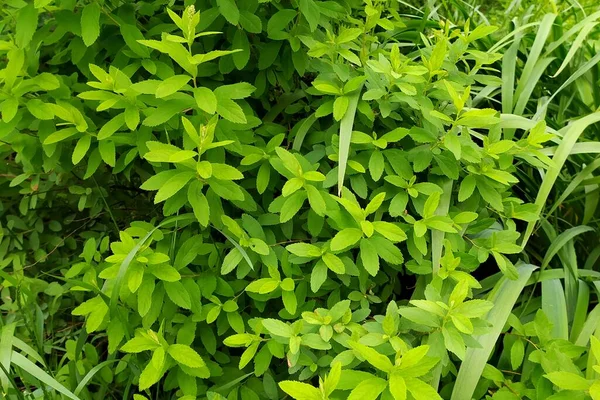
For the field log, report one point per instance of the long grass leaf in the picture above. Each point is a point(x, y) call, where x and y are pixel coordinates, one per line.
point(576, 75)
point(437, 237)
point(570, 137)
point(575, 46)
point(346, 125)
point(526, 88)
point(579, 148)
point(305, 125)
point(88, 377)
point(41, 375)
point(6, 342)
point(555, 307)
point(591, 324)
point(581, 310)
point(509, 63)
point(576, 28)
point(575, 182)
point(561, 240)
point(534, 54)
point(504, 295)
point(116, 286)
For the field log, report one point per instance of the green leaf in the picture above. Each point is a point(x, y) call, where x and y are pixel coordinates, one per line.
point(311, 12)
point(205, 99)
point(291, 206)
point(397, 386)
point(112, 126)
point(199, 203)
point(90, 23)
point(277, 328)
point(568, 380)
point(171, 85)
point(373, 357)
point(174, 185)
point(300, 391)
point(229, 10)
point(27, 24)
point(345, 238)
point(178, 294)
point(369, 389)
point(369, 257)
point(390, 231)
point(185, 355)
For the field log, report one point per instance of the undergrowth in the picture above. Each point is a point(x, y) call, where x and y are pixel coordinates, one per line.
point(299, 199)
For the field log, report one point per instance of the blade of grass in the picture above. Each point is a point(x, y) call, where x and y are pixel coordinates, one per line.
point(576, 75)
point(591, 324)
point(591, 202)
point(575, 182)
point(571, 135)
point(526, 89)
point(560, 241)
point(509, 63)
point(27, 349)
point(91, 374)
point(305, 125)
point(579, 148)
point(346, 125)
point(6, 372)
point(575, 46)
point(282, 103)
point(115, 286)
point(581, 310)
point(576, 28)
point(533, 58)
point(504, 296)
point(555, 308)
point(40, 374)
point(6, 343)
point(437, 237)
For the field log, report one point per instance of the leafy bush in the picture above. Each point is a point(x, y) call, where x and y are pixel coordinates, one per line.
point(313, 199)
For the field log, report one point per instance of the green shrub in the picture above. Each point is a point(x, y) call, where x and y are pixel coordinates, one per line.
point(265, 199)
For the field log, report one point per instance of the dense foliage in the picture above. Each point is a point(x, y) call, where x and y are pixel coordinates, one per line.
point(302, 199)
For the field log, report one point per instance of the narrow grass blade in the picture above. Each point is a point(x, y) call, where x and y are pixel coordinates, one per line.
point(504, 296)
point(346, 125)
point(507, 39)
point(305, 125)
point(6, 343)
point(240, 249)
point(571, 135)
point(437, 237)
point(555, 308)
point(116, 286)
point(576, 75)
point(527, 87)
point(27, 349)
point(576, 28)
point(282, 103)
point(581, 310)
point(29, 367)
point(591, 202)
point(533, 58)
point(579, 148)
point(561, 240)
point(88, 377)
point(591, 324)
point(575, 46)
point(509, 63)
point(575, 182)
point(592, 259)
